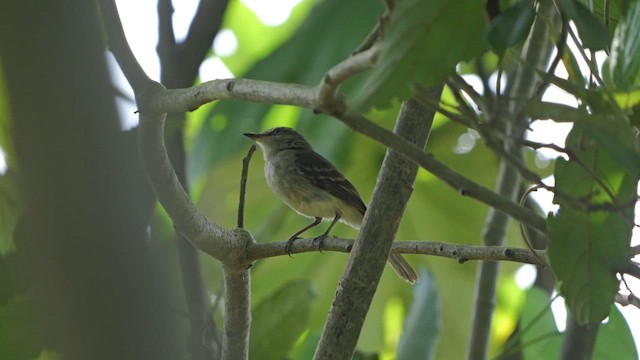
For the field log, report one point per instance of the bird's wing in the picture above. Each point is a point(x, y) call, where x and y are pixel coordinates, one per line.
point(324, 175)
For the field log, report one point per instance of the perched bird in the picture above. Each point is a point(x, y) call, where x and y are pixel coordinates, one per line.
point(309, 184)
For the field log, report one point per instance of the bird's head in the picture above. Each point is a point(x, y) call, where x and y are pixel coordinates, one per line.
point(277, 139)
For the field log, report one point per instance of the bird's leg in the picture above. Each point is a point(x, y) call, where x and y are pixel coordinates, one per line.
point(321, 238)
point(295, 236)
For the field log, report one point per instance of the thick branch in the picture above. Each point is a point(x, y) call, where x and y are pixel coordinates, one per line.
point(371, 249)
point(459, 252)
point(189, 99)
point(237, 314)
point(205, 235)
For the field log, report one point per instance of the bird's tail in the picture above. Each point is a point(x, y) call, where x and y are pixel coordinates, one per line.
point(402, 268)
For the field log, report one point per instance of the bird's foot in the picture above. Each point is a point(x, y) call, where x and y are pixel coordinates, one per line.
point(319, 240)
point(289, 244)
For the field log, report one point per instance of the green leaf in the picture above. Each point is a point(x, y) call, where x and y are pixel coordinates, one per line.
point(279, 320)
point(624, 61)
point(611, 9)
point(615, 340)
point(422, 324)
point(593, 33)
point(417, 48)
point(583, 261)
point(540, 338)
point(587, 248)
point(511, 27)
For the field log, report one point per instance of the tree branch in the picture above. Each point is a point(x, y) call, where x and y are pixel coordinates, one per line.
point(178, 100)
point(462, 184)
point(204, 234)
point(237, 314)
point(459, 252)
point(371, 249)
point(243, 185)
point(120, 47)
point(353, 65)
point(179, 68)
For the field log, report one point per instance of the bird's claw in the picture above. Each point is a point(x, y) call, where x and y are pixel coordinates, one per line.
point(289, 244)
point(319, 240)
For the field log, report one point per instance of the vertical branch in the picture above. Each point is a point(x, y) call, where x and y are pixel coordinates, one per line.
point(536, 51)
point(243, 185)
point(237, 319)
point(579, 340)
point(179, 66)
point(371, 249)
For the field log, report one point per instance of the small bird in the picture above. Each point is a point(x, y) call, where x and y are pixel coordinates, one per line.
point(309, 184)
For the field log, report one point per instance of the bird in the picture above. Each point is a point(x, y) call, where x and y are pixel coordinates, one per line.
point(310, 185)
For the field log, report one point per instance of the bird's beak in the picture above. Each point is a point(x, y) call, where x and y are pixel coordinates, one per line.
point(253, 136)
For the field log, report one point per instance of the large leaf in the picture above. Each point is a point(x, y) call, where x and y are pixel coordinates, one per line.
point(511, 27)
point(422, 324)
point(279, 320)
point(624, 62)
point(328, 35)
point(417, 47)
point(587, 248)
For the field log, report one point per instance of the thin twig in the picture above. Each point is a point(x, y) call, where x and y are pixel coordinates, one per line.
point(243, 185)
point(523, 199)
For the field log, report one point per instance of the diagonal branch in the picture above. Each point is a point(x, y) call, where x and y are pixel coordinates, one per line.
point(462, 184)
point(371, 249)
point(120, 47)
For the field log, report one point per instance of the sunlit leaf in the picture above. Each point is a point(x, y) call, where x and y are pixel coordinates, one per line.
point(627, 100)
point(417, 47)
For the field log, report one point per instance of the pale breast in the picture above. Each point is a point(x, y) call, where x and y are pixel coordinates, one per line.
point(297, 192)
